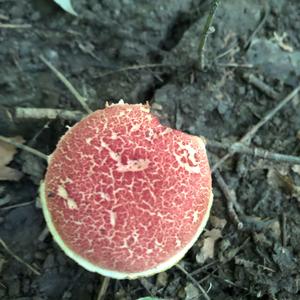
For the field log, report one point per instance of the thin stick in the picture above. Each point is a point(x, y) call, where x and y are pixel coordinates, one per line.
point(249, 135)
point(197, 284)
point(134, 67)
point(103, 289)
point(20, 260)
point(68, 85)
point(260, 25)
point(233, 48)
point(235, 65)
point(256, 152)
point(147, 285)
point(284, 235)
point(14, 26)
point(206, 31)
point(231, 201)
point(17, 205)
point(24, 147)
point(43, 234)
point(47, 113)
point(263, 87)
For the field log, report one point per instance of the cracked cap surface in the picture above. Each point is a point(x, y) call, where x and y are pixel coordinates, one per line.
point(125, 196)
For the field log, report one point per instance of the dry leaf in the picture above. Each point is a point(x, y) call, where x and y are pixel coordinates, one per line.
point(280, 179)
point(191, 292)
point(217, 222)
point(296, 169)
point(208, 248)
point(7, 153)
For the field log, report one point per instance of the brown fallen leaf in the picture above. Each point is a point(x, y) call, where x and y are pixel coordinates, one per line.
point(7, 153)
point(217, 222)
point(208, 248)
point(281, 179)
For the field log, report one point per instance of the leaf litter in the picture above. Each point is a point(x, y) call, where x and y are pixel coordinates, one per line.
point(7, 153)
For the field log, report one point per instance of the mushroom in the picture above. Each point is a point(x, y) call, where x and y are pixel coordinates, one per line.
point(125, 196)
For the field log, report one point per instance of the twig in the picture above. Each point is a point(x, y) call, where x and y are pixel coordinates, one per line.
point(103, 289)
point(284, 235)
point(197, 284)
point(263, 87)
point(234, 48)
point(248, 136)
point(256, 152)
point(235, 65)
point(47, 113)
point(134, 67)
point(42, 236)
point(20, 260)
point(231, 201)
point(206, 31)
point(147, 285)
point(24, 147)
point(203, 268)
point(247, 263)
point(259, 27)
point(68, 84)
point(17, 205)
point(73, 282)
point(14, 26)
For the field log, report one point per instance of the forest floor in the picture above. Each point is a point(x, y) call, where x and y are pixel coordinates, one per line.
point(147, 51)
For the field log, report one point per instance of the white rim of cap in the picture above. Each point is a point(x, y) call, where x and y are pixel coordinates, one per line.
point(112, 273)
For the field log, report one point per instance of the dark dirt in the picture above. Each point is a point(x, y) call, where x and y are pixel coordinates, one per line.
point(260, 261)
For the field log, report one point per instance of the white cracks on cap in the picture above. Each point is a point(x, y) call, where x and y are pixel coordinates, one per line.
point(104, 196)
point(187, 159)
point(114, 135)
point(195, 216)
point(135, 127)
point(88, 140)
point(178, 243)
point(149, 251)
point(113, 218)
point(133, 165)
point(62, 192)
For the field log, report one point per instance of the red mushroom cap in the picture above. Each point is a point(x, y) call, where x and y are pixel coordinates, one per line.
point(125, 196)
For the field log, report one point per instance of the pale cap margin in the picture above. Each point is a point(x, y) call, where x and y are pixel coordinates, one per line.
point(111, 273)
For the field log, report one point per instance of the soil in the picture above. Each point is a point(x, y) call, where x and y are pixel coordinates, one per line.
point(94, 51)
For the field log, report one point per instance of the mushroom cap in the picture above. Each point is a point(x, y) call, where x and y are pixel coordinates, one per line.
point(125, 196)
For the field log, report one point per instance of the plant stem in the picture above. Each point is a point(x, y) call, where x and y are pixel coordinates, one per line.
point(206, 31)
point(24, 147)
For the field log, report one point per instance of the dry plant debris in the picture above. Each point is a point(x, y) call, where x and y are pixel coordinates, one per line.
point(7, 153)
point(208, 248)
